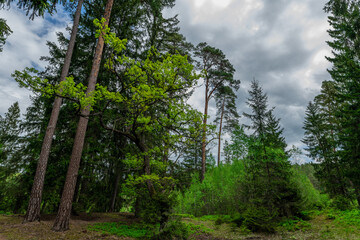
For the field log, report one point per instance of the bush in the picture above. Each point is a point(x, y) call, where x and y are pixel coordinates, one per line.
point(259, 219)
point(238, 219)
point(341, 203)
point(173, 230)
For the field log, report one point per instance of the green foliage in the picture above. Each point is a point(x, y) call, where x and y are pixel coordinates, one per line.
point(174, 230)
point(121, 230)
point(216, 195)
point(259, 219)
point(344, 218)
point(5, 31)
point(341, 203)
point(292, 225)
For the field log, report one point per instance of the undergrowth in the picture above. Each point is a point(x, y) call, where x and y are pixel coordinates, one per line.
point(122, 230)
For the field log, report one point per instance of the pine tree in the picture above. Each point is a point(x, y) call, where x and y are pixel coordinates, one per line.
point(227, 115)
point(63, 216)
point(33, 211)
point(218, 72)
point(5, 31)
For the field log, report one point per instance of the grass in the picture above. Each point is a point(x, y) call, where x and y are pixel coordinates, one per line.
point(329, 224)
point(121, 229)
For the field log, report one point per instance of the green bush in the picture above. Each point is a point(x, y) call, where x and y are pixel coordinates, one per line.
point(174, 230)
point(238, 219)
point(295, 224)
point(341, 203)
point(259, 219)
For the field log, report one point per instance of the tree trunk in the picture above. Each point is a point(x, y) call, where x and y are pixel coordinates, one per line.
point(116, 187)
point(63, 216)
point(33, 210)
point(203, 142)
point(221, 120)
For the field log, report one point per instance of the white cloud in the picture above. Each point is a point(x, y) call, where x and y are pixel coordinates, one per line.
point(23, 48)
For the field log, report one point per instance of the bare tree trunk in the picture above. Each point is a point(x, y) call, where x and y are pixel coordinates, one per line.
point(63, 216)
point(33, 210)
point(221, 120)
point(203, 142)
point(116, 187)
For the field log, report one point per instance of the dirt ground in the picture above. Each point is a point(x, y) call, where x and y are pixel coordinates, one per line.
point(11, 227)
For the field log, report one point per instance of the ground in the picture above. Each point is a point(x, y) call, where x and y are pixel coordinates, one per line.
point(320, 227)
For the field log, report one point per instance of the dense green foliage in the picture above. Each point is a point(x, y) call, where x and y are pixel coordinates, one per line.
point(332, 120)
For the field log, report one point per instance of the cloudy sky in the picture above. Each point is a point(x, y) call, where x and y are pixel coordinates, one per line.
point(281, 43)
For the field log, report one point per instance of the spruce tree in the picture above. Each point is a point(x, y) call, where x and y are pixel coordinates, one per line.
point(345, 22)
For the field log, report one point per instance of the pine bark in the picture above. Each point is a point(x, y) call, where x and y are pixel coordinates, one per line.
point(220, 130)
point(203, 142)
point(33, 210)
point(63, 216)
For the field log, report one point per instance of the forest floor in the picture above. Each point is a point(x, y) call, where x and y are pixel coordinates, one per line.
point(319, 227)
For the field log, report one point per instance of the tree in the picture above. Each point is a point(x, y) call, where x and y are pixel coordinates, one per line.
point(268, 170)
point(33, 211)
point(4, 32)
point(258, 104)
point(63, 216)
point(274, 132)
point(217, 73)
point(34, 8)
point(227, 116)
point(344, 20)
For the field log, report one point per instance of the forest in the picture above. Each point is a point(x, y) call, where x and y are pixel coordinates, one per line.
point(110, 147)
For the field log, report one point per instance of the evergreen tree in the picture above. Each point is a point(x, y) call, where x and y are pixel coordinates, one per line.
point(267, 168)
point(274, 132)
point(33, 211)
point(227, 116)
point(5, 31)
point(258, 104)
point(318, 141)
point(345, 22)
point(217, 73)
point(63, 216)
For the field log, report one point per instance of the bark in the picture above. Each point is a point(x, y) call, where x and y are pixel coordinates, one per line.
point(221, 120)
point(116, 187)
point(203, 142)
point(33, 210)
point(63, 216)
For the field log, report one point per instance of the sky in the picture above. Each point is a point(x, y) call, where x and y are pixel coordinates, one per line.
point(281, 43)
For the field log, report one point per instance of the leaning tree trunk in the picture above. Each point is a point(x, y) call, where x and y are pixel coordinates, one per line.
point(63, 216)
point(33, 210)
point(220, 129)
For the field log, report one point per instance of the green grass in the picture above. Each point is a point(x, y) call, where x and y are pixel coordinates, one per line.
point(120, 229)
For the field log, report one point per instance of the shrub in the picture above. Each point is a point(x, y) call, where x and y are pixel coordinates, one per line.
point(173, 230)
point(259, 219)
point(341, 203)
